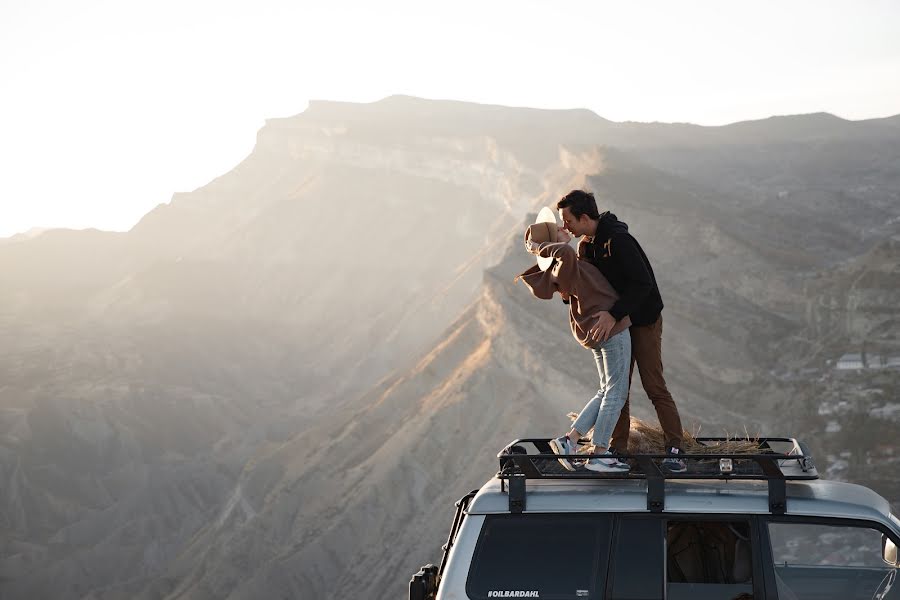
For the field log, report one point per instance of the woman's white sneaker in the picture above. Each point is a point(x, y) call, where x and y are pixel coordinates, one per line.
point(563, 445)
point(607, 464)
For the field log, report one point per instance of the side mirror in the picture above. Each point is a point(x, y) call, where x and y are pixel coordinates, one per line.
point(423, 585)
point(889, 551)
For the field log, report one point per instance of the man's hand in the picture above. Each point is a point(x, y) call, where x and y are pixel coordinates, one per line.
point(562, 235)
point(600, 331)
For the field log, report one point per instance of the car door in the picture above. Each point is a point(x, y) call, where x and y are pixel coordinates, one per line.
point(685, 557)
point(829, 559)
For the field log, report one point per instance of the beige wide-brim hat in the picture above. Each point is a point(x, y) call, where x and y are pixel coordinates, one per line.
point(544, 230)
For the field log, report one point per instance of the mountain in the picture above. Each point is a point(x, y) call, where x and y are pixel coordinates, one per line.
point(251, 391)
point(507, 368)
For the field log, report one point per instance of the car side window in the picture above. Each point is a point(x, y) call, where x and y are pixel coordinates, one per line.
point(815, 561)
point(708, 560)
point(553, 556)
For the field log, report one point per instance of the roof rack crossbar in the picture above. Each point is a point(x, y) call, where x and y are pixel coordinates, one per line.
point(517, 466)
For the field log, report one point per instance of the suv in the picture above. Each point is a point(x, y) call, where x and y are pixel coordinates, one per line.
point(733, 527)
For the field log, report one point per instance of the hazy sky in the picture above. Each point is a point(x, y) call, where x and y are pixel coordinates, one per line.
point(108, 107)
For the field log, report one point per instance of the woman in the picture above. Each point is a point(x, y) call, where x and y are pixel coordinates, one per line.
point(589, 295)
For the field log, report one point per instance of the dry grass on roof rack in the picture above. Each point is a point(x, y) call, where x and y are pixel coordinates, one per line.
point(649, 439)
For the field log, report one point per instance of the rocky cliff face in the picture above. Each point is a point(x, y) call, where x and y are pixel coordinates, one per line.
point(272, 379)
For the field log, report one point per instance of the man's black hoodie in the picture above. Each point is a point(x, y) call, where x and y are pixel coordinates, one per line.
point(622, 261)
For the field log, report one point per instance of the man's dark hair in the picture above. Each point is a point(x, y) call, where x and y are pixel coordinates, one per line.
point(579, 203)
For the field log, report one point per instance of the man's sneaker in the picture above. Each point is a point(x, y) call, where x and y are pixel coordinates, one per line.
point(674, 464)
point(563, 445)
point(607, 463)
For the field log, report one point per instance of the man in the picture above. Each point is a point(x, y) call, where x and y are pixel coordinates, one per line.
point(606, 243)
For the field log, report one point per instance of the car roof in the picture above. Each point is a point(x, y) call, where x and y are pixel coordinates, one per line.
point(816, 498)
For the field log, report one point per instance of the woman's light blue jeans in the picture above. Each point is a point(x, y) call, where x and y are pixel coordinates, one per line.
point(613, 362)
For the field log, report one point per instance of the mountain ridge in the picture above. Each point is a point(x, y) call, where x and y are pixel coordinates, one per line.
point(324, 347)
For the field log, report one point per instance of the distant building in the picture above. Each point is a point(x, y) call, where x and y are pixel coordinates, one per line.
point(890, 412)
point(877, 361)
point(850, 361)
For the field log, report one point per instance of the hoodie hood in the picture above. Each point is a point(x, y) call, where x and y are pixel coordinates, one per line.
point(608, 225)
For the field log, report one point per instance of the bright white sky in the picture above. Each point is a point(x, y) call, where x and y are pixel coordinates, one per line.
point(107, 107)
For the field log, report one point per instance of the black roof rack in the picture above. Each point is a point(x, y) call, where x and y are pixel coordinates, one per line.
point(778, 460)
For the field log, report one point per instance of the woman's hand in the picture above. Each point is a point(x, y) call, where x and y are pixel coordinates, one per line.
point(531, 247)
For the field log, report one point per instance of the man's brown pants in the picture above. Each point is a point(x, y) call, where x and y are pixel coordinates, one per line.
point(646, 351)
